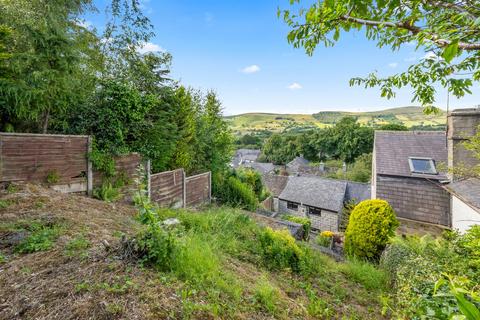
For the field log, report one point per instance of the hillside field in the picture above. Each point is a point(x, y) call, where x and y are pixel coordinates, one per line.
point(255, 122)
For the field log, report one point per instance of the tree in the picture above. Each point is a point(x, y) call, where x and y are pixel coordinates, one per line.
point(393, 127)
point(447, 30)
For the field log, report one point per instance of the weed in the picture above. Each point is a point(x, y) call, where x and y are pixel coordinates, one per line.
point(121, 287)
point(83, 287)
point(365, 274)
point(52, 177)
point(39, 204)
point(77, 247)
point(267, 295)
point(114, 309)
point(3, 259)
point(317, 307)
point(12, 188)
point(5, 203)
point(40, 238)
point(107, 192)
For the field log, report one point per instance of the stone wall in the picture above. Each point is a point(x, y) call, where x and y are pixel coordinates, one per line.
point(415, 199)
point(327, 220)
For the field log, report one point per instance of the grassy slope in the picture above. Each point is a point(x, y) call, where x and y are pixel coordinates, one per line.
point(83, 277)
point(409, 116)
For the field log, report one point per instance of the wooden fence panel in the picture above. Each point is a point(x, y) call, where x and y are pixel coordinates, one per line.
point(198, 189)
point(167, 188)
point(33, 157)
point(125, 165)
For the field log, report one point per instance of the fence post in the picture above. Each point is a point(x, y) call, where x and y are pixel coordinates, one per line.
point(149, 178)
point(89, 168)
point(210, 187)
point(184, 189)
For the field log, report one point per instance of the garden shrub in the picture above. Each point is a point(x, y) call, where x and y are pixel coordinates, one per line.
point(305, 222)
point(238, 194)
point(325, 238)
point(279, 250)
point(156, 246)
point(40, 238)
point(415, 264)
point(372, 223)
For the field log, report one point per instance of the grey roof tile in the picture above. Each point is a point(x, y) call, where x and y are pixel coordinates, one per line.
point(468, 190)
point(393, 148)
point(322, 193)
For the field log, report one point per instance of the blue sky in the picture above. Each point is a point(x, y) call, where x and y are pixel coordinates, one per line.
point(239, 49)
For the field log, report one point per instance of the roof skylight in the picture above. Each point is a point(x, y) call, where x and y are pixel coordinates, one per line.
point(422, 165)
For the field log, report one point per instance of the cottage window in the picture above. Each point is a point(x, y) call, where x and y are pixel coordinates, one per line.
point(315, 211)
point(422, 165)
point(292, 205)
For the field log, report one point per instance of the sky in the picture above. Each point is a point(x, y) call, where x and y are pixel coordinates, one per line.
point(239, 49)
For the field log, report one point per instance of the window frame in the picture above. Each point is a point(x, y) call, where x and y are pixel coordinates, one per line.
point(292, 205)
point(431, 161)
point(319, 214)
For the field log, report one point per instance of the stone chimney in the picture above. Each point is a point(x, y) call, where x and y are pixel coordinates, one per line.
point(461, 125)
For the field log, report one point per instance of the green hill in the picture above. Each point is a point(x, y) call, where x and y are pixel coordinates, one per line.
point(409, 116)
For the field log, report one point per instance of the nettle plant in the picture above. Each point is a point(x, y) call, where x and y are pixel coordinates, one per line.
point(446, 31)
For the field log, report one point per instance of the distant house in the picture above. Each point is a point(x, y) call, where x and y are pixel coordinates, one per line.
point(320, 199)
point(244, 156)
point(410, 171)
point(262, 168)
point(296, 165)
point(275, 184)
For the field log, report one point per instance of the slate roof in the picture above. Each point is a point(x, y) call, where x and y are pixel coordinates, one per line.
point(261, 167)
point(357, 191)
point(468, 190)
point(248, 154)
point(393, 148)
point(275, 183)
point(318, 192)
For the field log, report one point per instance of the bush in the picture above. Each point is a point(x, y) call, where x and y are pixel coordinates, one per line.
point(415, 264)
point(305, 222)
point(372, 223)
point(238, 194)
point(279, 250)
point(325, 239)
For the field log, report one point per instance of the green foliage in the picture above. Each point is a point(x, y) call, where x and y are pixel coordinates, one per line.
point(107, 192)
point(441, 29)
point(346, 211)
point(418, 268)
point(252, 178)
point(372, 223)
point(267, 295)
point(5, 203)
point(53, 177)
point(279, 250)
point(365, 274)
point(346, 140)
point(77, 247)
point(305, 222)
point(359, 171)
point(393, 127)
point(234, 192)
point(324, 240)
point(40, 238)
point(457, 287)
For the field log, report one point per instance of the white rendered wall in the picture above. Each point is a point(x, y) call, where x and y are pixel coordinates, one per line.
point(463, 216)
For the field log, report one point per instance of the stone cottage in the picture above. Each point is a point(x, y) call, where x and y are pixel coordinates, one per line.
point(319, 199)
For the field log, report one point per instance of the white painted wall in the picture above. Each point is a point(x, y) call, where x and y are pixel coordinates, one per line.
point(463, 216)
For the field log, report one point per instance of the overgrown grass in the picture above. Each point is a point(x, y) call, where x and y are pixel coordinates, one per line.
point(365, 273)
point(77, 247)
point(209, 251)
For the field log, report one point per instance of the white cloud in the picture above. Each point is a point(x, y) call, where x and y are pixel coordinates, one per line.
point(393, 65)
point(431, 56)
point(150, 47)
point(295, 86)
point(410, 59)
point(251, 69)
